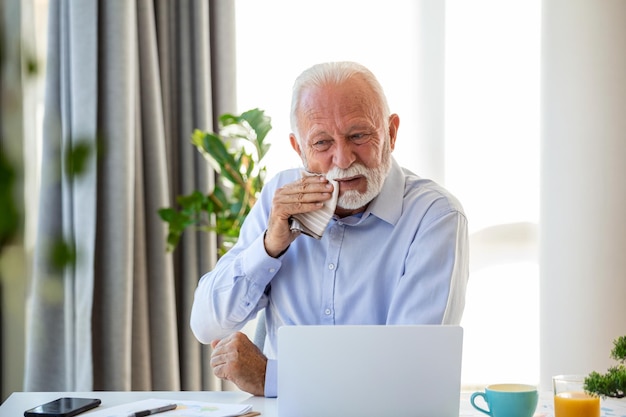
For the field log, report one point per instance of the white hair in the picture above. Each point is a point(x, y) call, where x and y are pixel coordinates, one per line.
point(334, 73)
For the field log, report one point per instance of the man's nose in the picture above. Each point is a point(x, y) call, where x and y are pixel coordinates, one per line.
point(344, 155)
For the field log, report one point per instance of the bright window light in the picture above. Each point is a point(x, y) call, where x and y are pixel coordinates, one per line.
point(491, 132)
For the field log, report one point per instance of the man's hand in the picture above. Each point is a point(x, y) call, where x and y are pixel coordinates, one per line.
point(304, 195)
point(236, 359)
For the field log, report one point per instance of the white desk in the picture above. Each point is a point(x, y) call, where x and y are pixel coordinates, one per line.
point(18, 402)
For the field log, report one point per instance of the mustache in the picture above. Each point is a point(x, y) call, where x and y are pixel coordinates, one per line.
point(352, 171)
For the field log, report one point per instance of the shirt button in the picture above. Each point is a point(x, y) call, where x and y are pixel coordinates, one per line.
point(327, 311)
point(331, 266)
point(272, 270)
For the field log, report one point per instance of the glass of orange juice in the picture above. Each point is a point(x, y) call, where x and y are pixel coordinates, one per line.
point(570, 398)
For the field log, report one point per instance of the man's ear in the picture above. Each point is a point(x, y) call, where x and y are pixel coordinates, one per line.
point(394, 123)
point(295, 144)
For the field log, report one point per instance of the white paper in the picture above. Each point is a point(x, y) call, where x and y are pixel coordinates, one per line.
point(184, 408)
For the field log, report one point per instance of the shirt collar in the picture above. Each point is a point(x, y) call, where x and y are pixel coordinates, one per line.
point(387, 205)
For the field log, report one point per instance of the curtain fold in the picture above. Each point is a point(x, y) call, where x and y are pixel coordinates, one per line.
point(59, 304)
point(132, 79)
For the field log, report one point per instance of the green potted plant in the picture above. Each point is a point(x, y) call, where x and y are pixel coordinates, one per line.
point(613, 382)
point(236, 153)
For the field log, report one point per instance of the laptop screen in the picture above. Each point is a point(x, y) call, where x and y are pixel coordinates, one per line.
point(369, 370)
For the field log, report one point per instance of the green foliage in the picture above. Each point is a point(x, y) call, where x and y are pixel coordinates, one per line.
point(9, 220)
point(9, 213)
point(78, 156)
point(235, 153)
point(61, 254)
point(619, 349)
point(613, 382)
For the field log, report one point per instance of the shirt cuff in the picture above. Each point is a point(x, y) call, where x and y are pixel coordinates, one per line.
point(271, 379)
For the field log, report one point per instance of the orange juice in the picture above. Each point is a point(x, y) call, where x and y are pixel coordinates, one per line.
point(576, 404)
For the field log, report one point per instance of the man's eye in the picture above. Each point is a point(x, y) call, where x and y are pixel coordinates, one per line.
point(359, 138)
point(321, 145)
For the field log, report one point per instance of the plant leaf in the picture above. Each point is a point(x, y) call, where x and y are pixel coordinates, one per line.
point(214, 150)
point(259, 122)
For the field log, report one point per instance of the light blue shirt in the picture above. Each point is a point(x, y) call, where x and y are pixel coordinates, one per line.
point(402, 261)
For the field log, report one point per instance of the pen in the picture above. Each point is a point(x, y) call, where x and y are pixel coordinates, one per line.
point(144, 413)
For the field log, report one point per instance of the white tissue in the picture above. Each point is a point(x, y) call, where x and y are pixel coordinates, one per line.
point(315, 222)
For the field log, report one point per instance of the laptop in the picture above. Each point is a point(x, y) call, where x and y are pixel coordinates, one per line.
point(369, 371)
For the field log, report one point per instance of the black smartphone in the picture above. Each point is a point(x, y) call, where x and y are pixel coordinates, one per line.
point(63, 407)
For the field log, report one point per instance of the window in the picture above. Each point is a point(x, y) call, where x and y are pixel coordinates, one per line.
point(492, 165)
point(491, 147)
point(277, 39)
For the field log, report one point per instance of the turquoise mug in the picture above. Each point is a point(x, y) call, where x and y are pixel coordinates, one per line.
point(508, 400)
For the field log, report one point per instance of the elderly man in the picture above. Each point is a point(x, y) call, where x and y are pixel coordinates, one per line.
point(394, 252)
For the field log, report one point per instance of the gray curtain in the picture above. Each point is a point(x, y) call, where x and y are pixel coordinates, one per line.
point(131, 79)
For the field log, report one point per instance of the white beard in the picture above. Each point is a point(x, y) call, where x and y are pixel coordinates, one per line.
point(353, 199)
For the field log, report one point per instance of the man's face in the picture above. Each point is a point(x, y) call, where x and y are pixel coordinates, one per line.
point(343, 135)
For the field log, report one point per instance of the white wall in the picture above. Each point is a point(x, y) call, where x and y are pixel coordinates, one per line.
point(583, 185)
